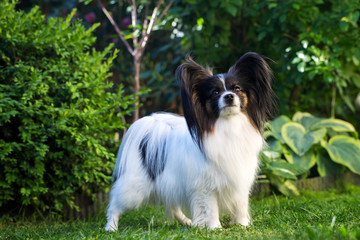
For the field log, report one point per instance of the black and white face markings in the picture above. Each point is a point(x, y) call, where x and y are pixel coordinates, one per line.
point(228, 92)
point(208, 92)
point(234, 85)
point(218, 92)
point(153, 155)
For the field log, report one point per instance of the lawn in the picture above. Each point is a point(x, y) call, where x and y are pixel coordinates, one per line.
point(320, 215)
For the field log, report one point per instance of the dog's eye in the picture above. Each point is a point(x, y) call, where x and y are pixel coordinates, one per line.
point(215, 93)
point(237, 89)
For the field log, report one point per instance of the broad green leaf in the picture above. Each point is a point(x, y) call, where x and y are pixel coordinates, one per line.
point(299, 115)
point(275, 146)
point(276, 126)
point(278, 122)
point(286, 187)
point(306, 161)
point(264, 158)
point(326, 166)
point(289, 188)
point(286, 168)
point(271, 154)
point(295, 136)
point(336, 124)
point(277, 135)
point(344, 150)
point(281, 171)
point(305, 119)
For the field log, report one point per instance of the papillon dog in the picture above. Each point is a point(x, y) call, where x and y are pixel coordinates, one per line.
point(206, 161)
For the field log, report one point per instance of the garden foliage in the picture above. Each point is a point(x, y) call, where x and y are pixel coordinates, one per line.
point(58, 113)
point(314, 44)
point(54, 95)
point(295, 146)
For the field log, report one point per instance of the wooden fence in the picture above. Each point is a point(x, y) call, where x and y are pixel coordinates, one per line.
point(90, 207)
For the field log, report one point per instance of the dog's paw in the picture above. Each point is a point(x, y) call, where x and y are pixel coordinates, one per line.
point(110, 228)
point(245, 222)
point(210, 226)
point(186, 222)
point(213, 227)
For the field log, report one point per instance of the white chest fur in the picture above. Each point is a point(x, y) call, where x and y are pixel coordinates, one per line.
point(233, 147)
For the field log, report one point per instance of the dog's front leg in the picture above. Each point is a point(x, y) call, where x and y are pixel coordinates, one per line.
point(205, 211)
point(241, 214)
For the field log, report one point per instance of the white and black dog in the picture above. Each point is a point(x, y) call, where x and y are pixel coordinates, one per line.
point(206, 161)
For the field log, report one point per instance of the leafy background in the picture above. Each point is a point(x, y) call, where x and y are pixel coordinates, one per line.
point(315, 50)
point(314, 46)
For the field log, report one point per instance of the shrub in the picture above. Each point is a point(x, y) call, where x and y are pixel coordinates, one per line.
point(58, 114)
point(328, 146)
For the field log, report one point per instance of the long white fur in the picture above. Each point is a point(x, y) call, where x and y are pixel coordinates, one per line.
point(204, 182)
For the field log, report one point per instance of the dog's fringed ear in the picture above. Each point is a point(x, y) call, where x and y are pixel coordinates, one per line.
point(190, 71)
point(187, 75)
point(253, 71)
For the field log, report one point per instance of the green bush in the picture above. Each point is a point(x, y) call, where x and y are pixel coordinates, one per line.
point(327, 146)
point(58, 114)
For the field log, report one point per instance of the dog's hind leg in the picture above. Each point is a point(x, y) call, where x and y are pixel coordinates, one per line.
point(125, 195)
point(112, 215)
point(115, 209)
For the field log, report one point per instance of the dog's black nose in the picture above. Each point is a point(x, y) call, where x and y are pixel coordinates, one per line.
point(229, 98)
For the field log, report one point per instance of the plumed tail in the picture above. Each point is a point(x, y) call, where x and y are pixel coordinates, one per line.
point(146, 142)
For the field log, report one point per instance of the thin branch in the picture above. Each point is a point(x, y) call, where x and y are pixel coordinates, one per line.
point(146, 20)
point(163, 12)
point(133, 23)
point(123, 120)
point(153, 16)
point(292, 38)
point(117, 29)
point(145, 37)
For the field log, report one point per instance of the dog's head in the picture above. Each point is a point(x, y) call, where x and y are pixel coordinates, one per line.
point(244, 89)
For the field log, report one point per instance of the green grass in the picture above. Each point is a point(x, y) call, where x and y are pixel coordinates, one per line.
point(321, 215)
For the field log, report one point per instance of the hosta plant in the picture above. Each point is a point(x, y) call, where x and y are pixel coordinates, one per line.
point(327, 145)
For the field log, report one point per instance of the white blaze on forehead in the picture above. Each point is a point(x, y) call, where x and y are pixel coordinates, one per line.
point(222, 79)
point(225, 109)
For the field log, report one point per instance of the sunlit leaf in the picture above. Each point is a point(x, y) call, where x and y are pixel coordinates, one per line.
point(306, 161)
point(344, 150)
point(326, 166)
point(300, 141)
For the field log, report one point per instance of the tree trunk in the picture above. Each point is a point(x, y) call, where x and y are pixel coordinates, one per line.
point(137, 61)
point(139, 48)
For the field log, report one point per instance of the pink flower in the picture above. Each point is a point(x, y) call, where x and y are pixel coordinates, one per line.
point(125, 22)
point(115, 40)
point(90, 17)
